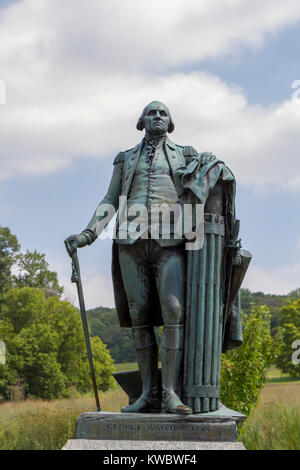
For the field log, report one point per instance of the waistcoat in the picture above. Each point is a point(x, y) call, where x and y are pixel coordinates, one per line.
point(152, 186)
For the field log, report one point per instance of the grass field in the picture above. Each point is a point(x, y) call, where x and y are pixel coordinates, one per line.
point(277, 377)
point(275, 423)
point(37, 424)
point(126, 366)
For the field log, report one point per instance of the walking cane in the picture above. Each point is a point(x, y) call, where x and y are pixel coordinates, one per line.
point(76, 278)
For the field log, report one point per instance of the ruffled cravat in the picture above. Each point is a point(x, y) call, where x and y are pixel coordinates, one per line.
point(151, 144)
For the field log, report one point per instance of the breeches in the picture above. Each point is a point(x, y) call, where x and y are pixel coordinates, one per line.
point(146, 266)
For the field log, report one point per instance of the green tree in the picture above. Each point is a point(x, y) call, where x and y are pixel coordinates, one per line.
point(45, 346)
point(103, 365)
point(244, 369)
point(294, 295)
point(33, 271)
point(9, 245)
point(290, 332)
point(272, 301)
point(21, 306)
point(36, 349)
point(104, 323)
point(8, 373)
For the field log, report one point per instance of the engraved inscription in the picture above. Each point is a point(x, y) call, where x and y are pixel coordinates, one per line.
point(112, 427)
point(123, 427)
point(176, 427)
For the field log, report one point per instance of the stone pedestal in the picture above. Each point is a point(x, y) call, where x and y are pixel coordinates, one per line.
point(163, 446)
point(218, 426)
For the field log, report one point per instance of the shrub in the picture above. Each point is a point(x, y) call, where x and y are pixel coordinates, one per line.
point(244, 369)
point(290, 332)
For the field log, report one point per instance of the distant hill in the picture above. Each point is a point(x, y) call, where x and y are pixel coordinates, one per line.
point(104, 323)
point(273, 301)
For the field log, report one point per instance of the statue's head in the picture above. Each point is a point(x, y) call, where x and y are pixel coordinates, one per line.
point(156, 119)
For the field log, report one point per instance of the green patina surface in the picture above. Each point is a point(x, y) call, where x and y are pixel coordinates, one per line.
point(193, 294)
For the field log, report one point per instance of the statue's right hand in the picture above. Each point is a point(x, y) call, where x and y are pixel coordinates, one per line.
point(75, 241)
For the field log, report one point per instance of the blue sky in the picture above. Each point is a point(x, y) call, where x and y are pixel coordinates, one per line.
point(265, 74)
point(77, 84)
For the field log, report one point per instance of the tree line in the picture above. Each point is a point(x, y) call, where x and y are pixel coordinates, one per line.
point(284, 310)
point(45, 345)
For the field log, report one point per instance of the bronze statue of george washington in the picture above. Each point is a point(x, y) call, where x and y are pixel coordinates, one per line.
point(194, 295)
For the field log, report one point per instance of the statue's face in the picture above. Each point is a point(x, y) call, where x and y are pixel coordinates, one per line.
point(156, 119)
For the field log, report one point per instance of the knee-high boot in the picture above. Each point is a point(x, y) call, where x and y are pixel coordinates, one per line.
point(171, 357)
point(145, 345)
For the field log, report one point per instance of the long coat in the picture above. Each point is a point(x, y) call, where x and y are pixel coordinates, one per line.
point(125, 164)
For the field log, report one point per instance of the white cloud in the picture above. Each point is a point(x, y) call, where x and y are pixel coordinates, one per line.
point(97, 287)
point(135, 33)
point(97, 291)
point(261, 145)
point(76, 82)
point(78, 74)
point(277, 280)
